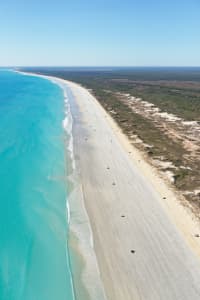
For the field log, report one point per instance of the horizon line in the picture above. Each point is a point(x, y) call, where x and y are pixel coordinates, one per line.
point(93, 66)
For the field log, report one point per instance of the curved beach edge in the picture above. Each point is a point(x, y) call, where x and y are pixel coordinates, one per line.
point(86, 279)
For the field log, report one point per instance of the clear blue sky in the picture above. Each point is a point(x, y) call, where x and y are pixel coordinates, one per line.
point(100, 33)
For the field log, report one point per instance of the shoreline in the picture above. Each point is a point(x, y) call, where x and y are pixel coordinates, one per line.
point(172, 208)
point(86, 282)
point(87, 123)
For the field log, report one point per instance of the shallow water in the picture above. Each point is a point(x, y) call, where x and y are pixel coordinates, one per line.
point(33, 221)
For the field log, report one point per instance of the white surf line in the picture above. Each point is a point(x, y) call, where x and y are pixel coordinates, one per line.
point(93, 284)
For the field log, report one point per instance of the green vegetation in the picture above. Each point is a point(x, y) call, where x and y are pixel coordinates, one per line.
point(181, 102)
point(134, 124)
point(174, 90)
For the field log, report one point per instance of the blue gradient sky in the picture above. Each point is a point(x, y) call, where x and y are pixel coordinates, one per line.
point(98, 32)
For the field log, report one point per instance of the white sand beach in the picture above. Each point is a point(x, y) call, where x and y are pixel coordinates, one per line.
point(145, 245)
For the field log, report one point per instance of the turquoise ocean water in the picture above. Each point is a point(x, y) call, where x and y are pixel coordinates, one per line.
point(33, 220)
